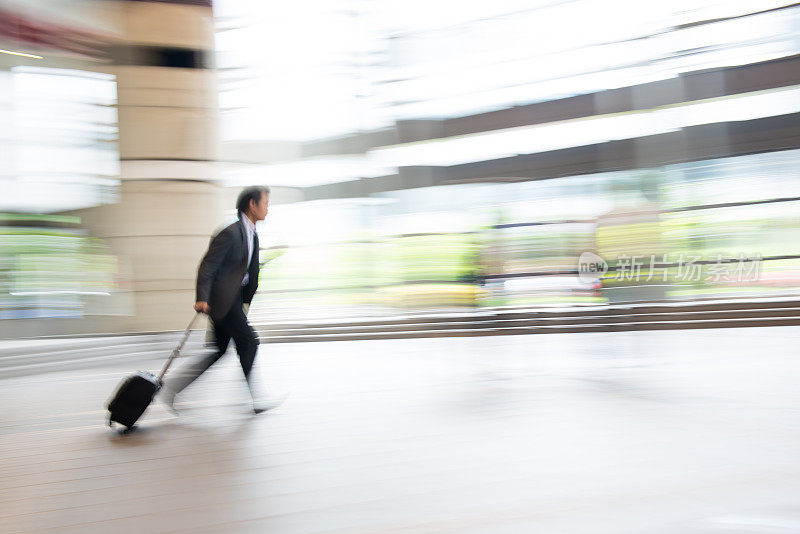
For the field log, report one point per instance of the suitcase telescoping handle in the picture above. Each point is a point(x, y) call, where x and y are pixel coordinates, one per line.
point(177, 350)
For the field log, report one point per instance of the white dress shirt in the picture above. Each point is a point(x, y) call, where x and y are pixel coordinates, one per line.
point(250, 231)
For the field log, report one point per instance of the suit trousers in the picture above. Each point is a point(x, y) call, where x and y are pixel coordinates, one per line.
point(233, 326)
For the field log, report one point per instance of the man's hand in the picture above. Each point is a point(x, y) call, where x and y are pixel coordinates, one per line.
point(201, 307)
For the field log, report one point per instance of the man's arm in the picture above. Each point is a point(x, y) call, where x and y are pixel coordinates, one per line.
point(209, 266)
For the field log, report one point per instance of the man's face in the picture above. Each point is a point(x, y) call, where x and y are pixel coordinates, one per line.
point(259, 209)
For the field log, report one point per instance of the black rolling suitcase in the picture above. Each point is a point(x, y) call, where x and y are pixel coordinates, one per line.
point(136, 392)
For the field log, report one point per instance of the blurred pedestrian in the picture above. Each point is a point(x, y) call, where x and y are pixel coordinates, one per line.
point(226, 283)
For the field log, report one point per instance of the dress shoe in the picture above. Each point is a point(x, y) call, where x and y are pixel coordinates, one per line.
point(271, 404)
point(168, 399)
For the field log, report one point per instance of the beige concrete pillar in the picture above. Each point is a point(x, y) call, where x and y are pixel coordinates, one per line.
point(170, 200)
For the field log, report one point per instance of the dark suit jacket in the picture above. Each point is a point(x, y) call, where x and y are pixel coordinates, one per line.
point(222, 269)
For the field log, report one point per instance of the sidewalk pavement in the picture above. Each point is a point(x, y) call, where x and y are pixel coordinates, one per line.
point(656, 432)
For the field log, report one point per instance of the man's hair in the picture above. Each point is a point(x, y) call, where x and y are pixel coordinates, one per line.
point(250, 193)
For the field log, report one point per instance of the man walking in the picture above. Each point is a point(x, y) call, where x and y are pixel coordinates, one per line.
point(226, 279)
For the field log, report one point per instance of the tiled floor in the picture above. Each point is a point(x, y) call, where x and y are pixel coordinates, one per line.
point(652, 432)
